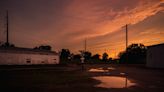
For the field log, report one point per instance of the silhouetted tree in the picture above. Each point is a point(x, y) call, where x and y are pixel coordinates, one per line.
point(43, 47)
point(135, 54)
point(110, 59)
point(87, 55)
point(46, 47)
point(64, 54)
point(6, 45)
point(96, 58)
point(76, 58)
point(105, 57)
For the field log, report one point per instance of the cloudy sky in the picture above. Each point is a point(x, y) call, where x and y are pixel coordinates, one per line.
point(66, 23)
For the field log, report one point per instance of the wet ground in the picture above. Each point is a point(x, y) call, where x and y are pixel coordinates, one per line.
point(95, 78)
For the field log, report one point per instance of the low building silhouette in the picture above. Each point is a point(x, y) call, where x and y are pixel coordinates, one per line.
point(155, 56)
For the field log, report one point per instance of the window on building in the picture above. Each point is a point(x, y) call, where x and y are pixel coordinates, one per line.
point(28, 60)
point(42, 62)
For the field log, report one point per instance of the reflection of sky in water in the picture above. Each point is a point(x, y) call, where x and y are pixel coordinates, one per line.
point(113, 82)
point(101, 69)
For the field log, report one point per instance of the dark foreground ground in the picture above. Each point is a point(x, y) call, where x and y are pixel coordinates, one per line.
point(72, 79)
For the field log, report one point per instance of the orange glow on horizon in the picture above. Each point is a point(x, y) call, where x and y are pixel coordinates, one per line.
point(65, 24)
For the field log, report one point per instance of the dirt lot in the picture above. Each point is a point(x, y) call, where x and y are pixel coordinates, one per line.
point(72, 79)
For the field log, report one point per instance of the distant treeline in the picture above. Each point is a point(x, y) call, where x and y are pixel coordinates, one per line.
point(41, 47)
point(134, 54)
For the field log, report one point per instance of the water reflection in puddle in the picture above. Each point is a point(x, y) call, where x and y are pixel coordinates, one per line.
point(113, 82)
point(101, 69)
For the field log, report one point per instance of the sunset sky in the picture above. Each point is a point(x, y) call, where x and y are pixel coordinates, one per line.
point(66, 23)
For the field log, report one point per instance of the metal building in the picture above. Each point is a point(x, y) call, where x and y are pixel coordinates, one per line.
point(155, 56)
point(27, 56)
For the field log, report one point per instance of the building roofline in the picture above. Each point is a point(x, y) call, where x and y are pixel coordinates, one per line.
point(156, 45)
point(26, 50)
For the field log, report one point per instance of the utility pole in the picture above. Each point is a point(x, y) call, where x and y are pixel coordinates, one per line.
point(7, 28)
point(126, 39)
point(85, 45)
point(126, 26)
point(83, 54)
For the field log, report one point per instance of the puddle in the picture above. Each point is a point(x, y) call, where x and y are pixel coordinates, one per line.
point(113, 82)
point(101, 69)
